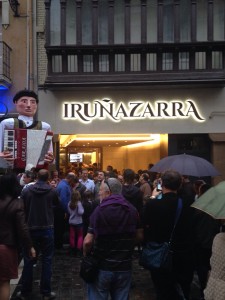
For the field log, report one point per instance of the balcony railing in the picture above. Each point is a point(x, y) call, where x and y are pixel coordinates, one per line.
point(136, 64)
point(5, 76)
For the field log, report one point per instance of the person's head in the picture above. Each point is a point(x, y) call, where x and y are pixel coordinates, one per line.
point(109, 168)
point(75, 197)
point(128, 176)
point(26, 102)
point(55, 174)
point(84, 174)
point(28, 177)
point(112, 186)
point(70, 178)
point(9, 186)
point(101, 176)
point(144, 178)
point(110, 175)
point(88, 195)
point(171, 180)
point(53, 183)
point(95, 166)
point(120, 178)
point(43, 175)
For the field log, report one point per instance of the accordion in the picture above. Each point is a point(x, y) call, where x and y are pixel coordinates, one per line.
point(27, 146)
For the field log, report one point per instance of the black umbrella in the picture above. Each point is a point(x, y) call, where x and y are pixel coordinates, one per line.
point(186, 165)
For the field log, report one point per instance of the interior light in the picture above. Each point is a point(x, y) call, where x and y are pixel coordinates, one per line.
point(66, 140)
point(147, 143)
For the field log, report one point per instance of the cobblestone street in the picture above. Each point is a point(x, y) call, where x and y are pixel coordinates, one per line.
point(69, 286)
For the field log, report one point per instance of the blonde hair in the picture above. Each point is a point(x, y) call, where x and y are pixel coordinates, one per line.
point(75, 197)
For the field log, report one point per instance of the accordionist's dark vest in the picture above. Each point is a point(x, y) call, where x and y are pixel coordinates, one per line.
point(37, 125)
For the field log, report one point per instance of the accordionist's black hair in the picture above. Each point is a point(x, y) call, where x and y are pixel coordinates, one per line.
point(23, 93)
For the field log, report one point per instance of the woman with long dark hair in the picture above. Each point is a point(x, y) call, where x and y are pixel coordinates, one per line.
point(13, 231)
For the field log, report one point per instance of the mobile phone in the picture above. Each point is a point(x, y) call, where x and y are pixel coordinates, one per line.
point(159, 187)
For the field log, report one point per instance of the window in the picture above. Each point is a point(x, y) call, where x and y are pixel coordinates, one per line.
point(217, 60)
point(151, 62)
point(201, 20)
point(86, 22)
point(135, 24)
point(135, 62)
point(71, 22)
point(167, 63)
point(185, 21)
point(72, 63)
point(88, 63)
point(168, 25)
point(155, 22)
point(151, 21)
point(55, 22)
point(103, 22)
point(218, 20)
point(56, 63)
point(119, 62)
point(103, 63)
point(183, 61)
point(119, 20)
point(200, 60)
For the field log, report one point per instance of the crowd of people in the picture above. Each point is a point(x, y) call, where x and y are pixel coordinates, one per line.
point(109, 215)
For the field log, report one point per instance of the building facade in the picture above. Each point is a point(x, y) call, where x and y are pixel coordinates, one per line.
point(17, 70)
point(127, 82)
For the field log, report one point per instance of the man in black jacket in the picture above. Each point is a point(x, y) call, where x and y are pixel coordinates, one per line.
point(158, 221)
point(39, 200)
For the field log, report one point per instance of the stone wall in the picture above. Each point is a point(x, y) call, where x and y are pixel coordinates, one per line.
point(41, 53)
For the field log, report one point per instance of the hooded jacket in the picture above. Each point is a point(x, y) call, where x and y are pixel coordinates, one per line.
point(114, 215)
point(134, 195)
point(114, 223)
point(39, 201)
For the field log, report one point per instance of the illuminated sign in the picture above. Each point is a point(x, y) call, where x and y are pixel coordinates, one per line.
point(106, 108)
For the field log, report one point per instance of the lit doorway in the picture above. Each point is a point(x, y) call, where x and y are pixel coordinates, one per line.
point(133, 151)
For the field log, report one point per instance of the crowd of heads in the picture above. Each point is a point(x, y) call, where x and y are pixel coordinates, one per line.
point(114, 180)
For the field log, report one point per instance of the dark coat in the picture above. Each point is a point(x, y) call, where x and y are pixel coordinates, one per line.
point(159, 217)
point(13, 228)
point(134, 195)
point(158, 221)
point(39, 201)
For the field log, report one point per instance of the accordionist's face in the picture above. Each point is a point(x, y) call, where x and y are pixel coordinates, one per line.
point(26, 106)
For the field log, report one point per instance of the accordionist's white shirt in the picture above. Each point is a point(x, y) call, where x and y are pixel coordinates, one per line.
point(9, 124)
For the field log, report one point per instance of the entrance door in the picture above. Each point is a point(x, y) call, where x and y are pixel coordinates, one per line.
point(120, 151)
